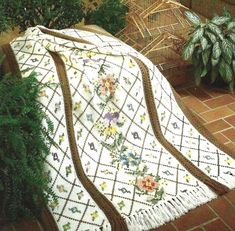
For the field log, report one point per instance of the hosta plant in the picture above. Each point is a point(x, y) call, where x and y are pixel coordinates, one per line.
point(211, 45)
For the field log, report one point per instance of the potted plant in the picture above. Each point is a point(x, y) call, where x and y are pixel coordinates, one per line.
point(211, 46)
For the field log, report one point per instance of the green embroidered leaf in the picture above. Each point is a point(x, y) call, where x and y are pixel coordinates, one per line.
point(216, 30)
point(204, 43)
point(216, 50)
point(220, 20)
point(225, 71)
point(119, 124)
point(193, 18)
point(196, 36)
point(110, 147)
point(120, 139)
point(188, 51)
point(231, 25)
point(211, 36)
point(227, 50)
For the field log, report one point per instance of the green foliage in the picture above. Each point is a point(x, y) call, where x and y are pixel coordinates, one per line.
point(49, 13)
point(25, 132)
point(110, 15)
point(3, 20)
point(60, 14)
point(212, 48)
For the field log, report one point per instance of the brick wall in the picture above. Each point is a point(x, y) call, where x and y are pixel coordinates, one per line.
point(208, 8)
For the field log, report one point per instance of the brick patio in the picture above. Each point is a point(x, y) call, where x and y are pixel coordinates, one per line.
point(216, 108)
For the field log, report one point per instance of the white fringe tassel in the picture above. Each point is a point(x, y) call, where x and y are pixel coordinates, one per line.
point(169, 210)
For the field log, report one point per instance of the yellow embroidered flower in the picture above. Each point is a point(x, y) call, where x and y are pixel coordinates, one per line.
point(90, 54)
point(142, 118)
point(103, 185)
point(54, 204)
point(189, 153)
point(187, 178)
point(87, 88)
point(110, 131)
point(77, 105)
point(94, 215)
point(228, 161)
point(52, 78)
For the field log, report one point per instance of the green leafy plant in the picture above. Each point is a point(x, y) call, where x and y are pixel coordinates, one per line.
point(25, 139)
point(110, 15)
point(49, 13)
point(212, 48)
point(3, 20)
point(60, 14)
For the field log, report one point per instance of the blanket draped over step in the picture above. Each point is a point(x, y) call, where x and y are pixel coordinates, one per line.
point(129, 155)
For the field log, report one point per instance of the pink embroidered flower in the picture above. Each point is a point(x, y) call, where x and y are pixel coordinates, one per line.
point(147, 183)
point(108, 85)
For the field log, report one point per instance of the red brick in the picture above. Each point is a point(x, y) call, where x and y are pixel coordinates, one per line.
point(199, 93)
point(194, 218)
point(230, 133)
point(231, 197)
point(217, 125)
point(216, 114)
point(216, 225)
point(200, 118)
point(167, 227)
point(225, 210)
point(215, 92)
point(197, 229)
point(183, 93)
point(194, 104)
point(232, 106)
point(219, 101)
point(221, 138)
point(231, 120)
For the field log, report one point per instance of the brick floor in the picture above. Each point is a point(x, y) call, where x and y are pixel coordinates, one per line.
point(216, 109)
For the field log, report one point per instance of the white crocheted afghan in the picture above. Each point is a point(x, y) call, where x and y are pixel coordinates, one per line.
point(129, 155)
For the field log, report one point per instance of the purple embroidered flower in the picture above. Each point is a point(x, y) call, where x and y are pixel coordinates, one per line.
point(89, 60)
point(128, 159)
point(112, 117)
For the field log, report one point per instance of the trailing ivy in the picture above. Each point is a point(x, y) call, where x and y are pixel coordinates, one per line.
point(25, 140)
